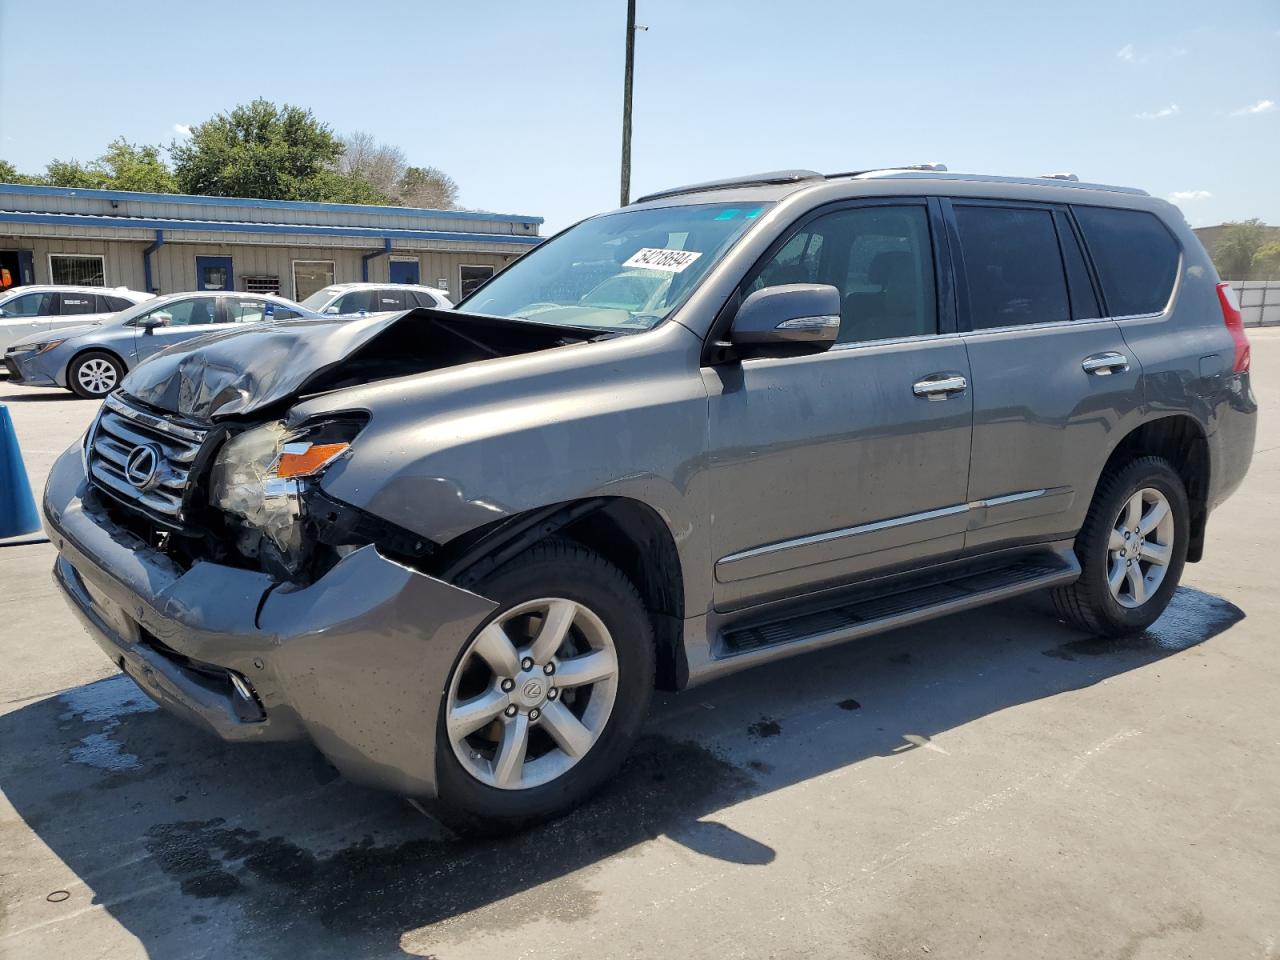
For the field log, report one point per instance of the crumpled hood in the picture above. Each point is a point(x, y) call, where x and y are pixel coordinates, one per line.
point(60, 333)
point(237, 372)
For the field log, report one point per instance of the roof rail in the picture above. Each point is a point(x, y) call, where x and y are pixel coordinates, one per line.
point(924, 167)
point(1060, 176)
point(753, 180)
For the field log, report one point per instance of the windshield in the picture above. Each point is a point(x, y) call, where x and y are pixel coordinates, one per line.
point(320, 298)
point(619, 272)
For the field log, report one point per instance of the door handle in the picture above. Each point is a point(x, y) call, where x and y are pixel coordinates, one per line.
point(939, 388)
point(1105, 364)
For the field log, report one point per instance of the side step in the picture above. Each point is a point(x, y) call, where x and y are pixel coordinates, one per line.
point(879, 607)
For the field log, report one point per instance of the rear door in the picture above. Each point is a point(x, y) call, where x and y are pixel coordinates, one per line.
point(75, 309)
point(826, 468)
point(1053, 380)
point(25, 315)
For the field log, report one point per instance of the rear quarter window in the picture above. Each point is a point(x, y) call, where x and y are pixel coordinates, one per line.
point(1135, 255)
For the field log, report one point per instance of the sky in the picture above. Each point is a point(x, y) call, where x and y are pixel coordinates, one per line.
point(520, 101)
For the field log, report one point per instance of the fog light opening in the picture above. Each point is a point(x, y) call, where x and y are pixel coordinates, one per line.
point(248, 707)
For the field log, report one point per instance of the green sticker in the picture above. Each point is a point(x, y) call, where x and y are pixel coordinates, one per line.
point(727, 214)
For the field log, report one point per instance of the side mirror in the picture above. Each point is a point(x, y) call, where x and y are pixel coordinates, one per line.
point(787, 320)
point(156, 320)
point(331, 311)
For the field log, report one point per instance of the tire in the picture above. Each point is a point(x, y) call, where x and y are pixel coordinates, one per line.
point(1091, 603)
point(606, 610)
point(94, 374)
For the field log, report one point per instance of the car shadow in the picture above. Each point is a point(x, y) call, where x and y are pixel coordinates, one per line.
point(41, 397)
point(255, 851)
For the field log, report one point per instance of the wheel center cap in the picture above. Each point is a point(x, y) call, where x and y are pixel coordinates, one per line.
point(530, 691)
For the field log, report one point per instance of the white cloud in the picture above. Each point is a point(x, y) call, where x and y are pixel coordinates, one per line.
point(1171, 110)
point(182, 129)
point(1262, 106)
point(1182, 196)
point(1127, 53)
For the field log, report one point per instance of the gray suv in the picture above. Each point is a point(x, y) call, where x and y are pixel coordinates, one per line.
point(729, 423)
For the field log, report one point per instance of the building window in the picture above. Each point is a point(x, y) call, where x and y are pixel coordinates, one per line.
point(310, 276)
point(261, 284)
point(472, 277)
point(78, 269)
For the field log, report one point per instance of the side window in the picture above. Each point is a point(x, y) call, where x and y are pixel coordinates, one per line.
point(390, 300)
point(184, 313)
point(1136, 258)
point(246, 311)
point(881, 260)
point(113, 304)
point(424, 299)
point(74, 303)
point(30, 305)
point(355, 302)
point(284, 313)
point(1013, 266)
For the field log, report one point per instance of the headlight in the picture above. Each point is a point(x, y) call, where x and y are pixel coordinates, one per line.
point(259, 479)
point(45, 347)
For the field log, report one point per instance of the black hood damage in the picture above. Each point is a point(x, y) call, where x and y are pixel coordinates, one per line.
point(240, 372)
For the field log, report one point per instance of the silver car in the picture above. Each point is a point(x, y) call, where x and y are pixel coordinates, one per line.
point(91, 359)
point(457, 549)
point(36, 310)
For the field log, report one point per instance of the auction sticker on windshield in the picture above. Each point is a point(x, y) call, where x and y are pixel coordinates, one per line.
point(654, 258)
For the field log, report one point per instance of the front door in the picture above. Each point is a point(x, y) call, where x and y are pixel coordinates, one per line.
point(1054, 383)
point(404, 271)
point(832, 467)
point(214, 273)
point(175, 321)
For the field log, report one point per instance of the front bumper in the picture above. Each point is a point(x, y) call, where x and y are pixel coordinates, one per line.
point(357, 662)
point(28, 370)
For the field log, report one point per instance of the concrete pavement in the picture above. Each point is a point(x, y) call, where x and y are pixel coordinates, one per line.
point(991, 785)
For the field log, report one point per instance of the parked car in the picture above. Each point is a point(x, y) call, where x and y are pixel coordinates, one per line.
point(92, 359)
point(36, 310)
point(456, 551)
point(355, 299)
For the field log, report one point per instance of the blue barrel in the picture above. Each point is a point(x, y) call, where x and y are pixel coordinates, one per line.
point(17, 506)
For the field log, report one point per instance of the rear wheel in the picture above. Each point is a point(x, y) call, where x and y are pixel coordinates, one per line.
point(547, 697)
point(94, 374)
point(1132, 549)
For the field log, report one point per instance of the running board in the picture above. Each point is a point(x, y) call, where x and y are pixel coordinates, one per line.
point(876, 608)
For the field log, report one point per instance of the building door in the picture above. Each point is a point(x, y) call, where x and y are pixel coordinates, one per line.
point(404, 271)
point(214, 273)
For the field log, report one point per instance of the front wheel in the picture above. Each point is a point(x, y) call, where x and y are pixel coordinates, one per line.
point(94, 374)
point(1132, 549)
point(547, 697)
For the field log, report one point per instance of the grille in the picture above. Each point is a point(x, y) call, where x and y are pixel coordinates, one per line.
point(142, 459)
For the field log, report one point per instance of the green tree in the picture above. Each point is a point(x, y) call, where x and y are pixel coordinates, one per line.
point(73, 173)
point(129, 166)
point(258, 150)
point(1266, 261)
point(1236, 247)
point(9, 174)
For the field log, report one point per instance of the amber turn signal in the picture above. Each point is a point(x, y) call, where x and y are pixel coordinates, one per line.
point(304, 459)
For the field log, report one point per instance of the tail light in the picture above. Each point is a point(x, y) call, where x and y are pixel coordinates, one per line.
point(1234, 320)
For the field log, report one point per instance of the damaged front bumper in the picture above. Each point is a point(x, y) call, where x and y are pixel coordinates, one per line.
point(356, 661)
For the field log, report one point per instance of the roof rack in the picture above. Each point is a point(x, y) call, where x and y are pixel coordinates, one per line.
point(923, 167)
point(1060, 176)
point(753, 180)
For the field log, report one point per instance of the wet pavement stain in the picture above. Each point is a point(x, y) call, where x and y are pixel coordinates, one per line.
point(765, 727)
point(364, 888)
point(1191, 618)
point(849, 704)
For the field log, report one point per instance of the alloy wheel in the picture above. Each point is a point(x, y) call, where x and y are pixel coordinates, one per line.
point(97, 376)
point(532, 693)
point(1140, 547)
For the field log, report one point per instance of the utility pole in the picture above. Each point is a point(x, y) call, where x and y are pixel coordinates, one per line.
point(626, 103)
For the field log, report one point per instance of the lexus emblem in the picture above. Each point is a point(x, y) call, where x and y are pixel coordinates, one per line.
point(533, 689)
point(143, 466)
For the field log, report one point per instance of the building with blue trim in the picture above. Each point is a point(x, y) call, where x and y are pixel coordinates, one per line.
point(167, 243)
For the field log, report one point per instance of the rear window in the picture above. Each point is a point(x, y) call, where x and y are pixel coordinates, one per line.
point(1013, 266)
point(1136, 258)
